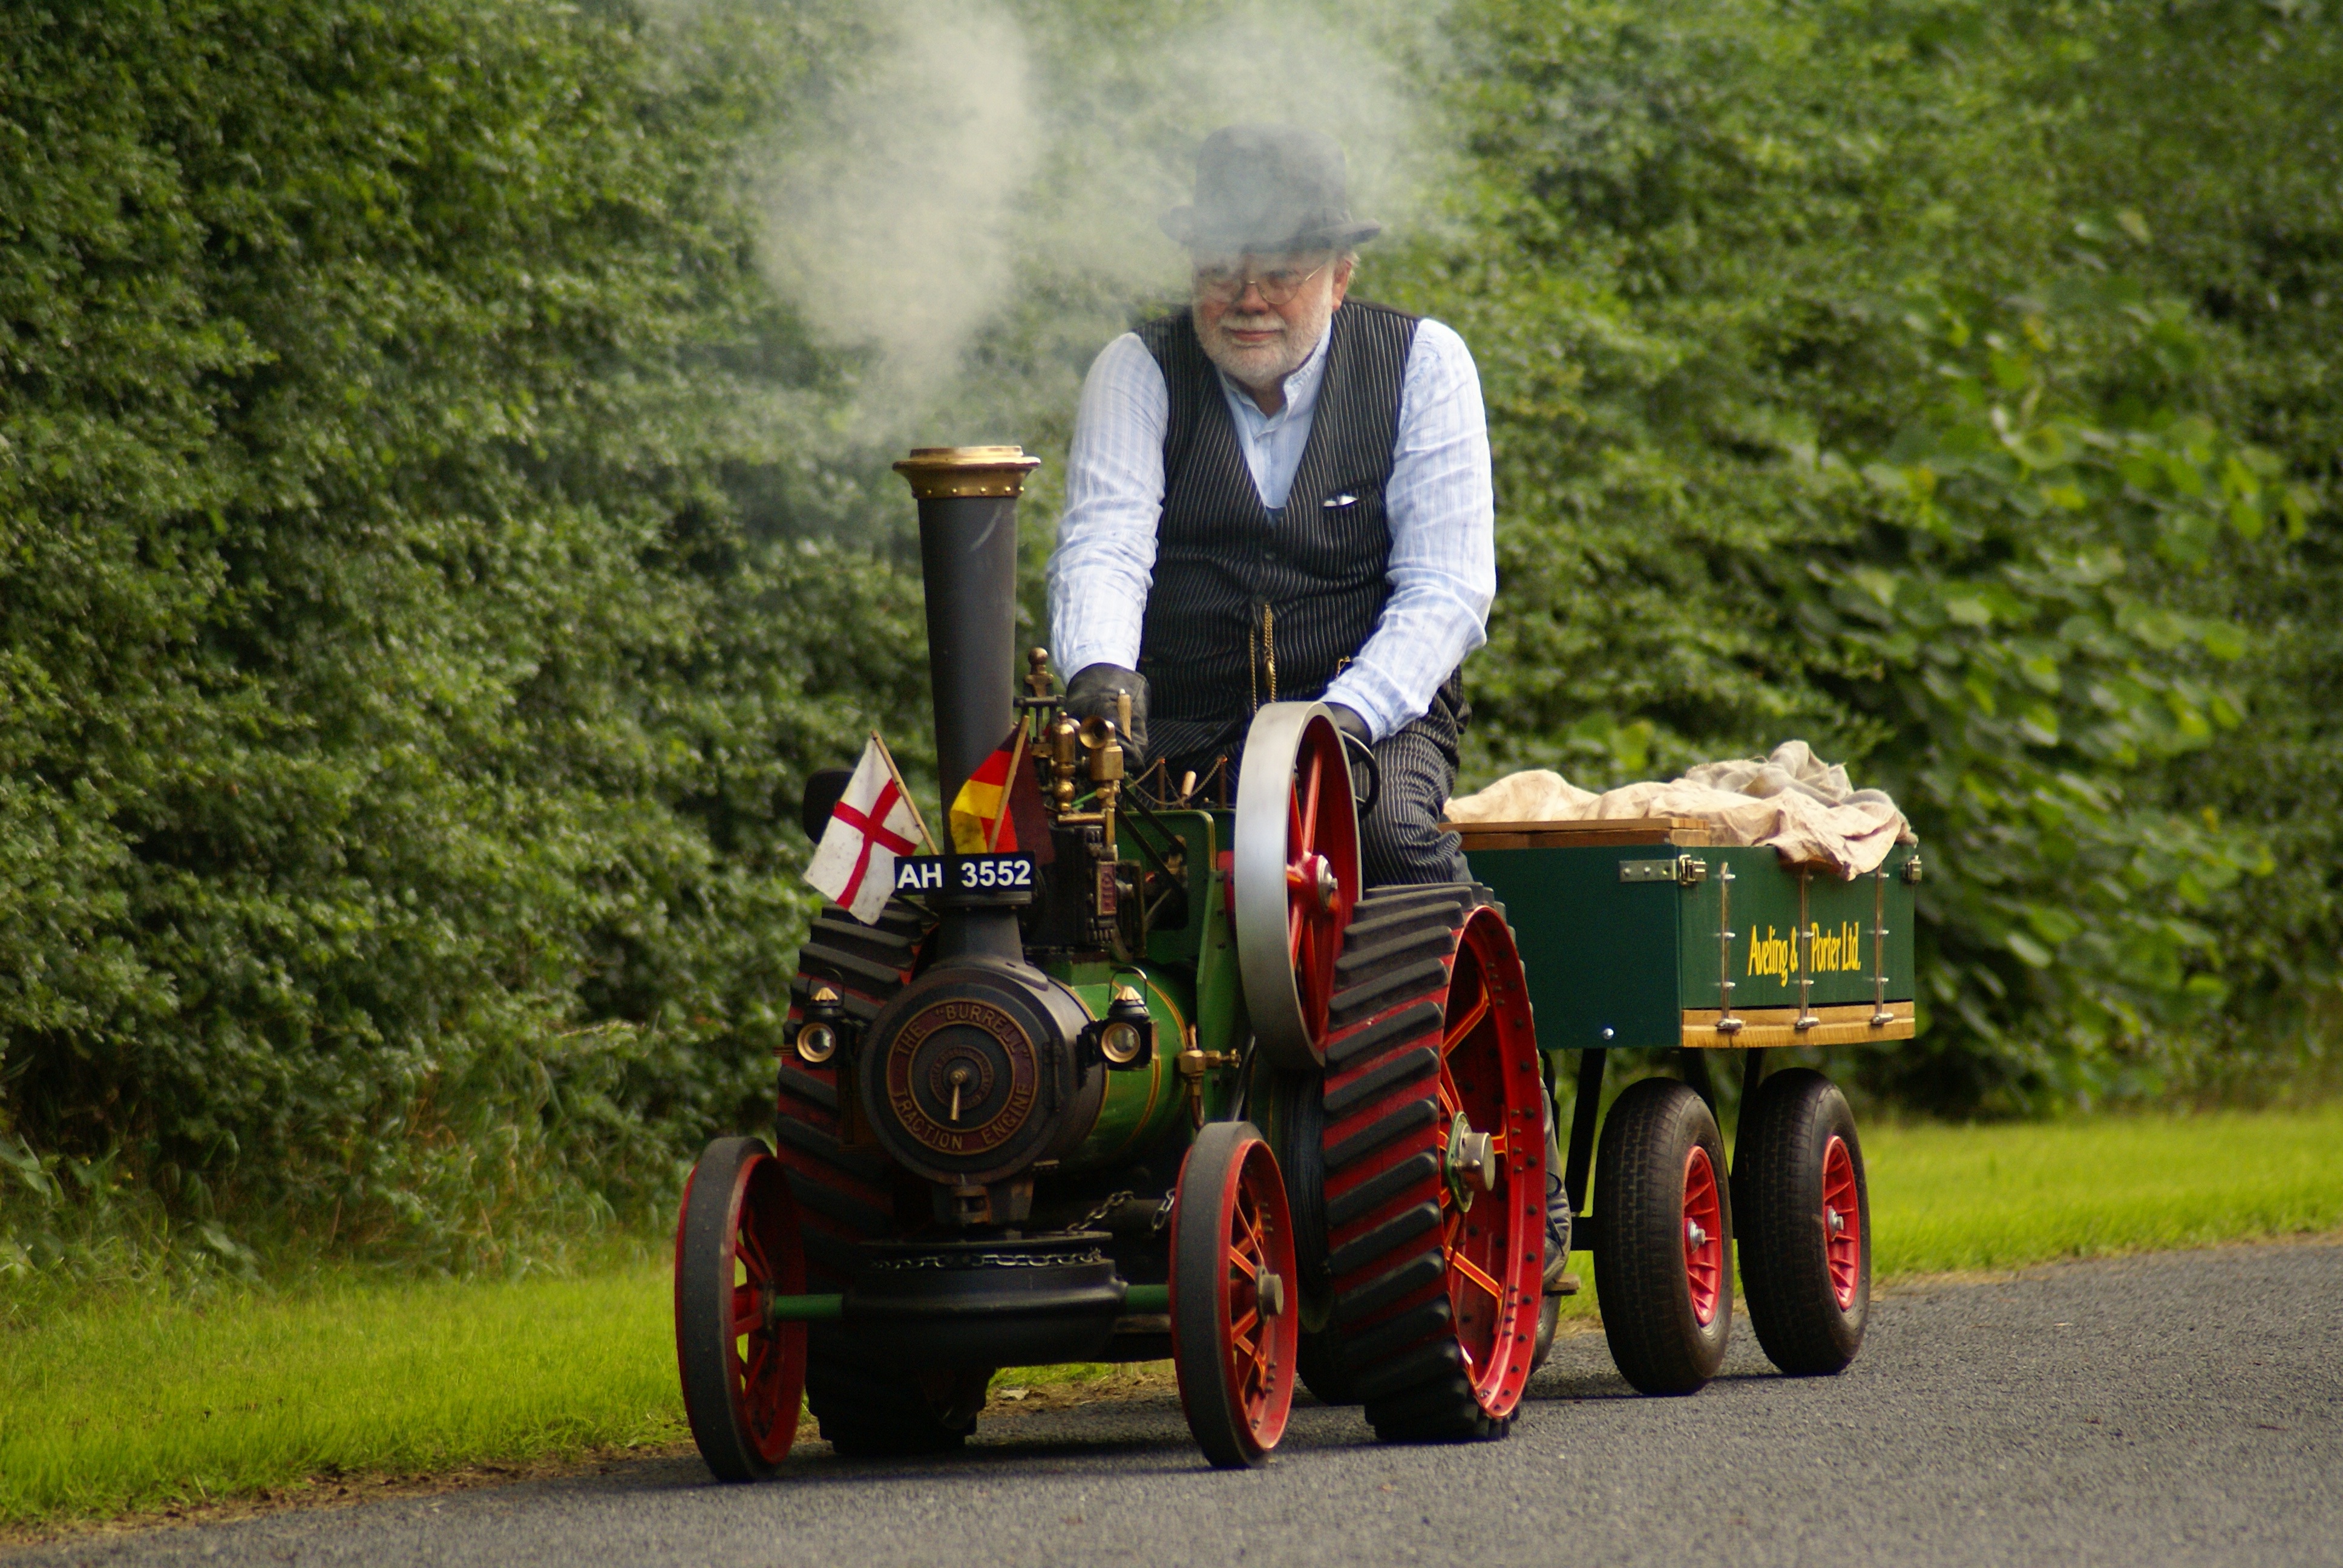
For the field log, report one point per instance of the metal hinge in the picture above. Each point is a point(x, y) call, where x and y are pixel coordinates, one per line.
point(1684, 871)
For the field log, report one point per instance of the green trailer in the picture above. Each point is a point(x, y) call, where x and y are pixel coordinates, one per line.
point(1641, 934)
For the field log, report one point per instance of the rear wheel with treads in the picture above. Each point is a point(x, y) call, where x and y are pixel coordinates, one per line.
point(1436, 1153)
point(846, 1193)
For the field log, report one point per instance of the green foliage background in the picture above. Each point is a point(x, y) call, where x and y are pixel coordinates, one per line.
point(434, 555)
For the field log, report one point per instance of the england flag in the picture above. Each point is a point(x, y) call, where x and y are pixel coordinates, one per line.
point(872, 823)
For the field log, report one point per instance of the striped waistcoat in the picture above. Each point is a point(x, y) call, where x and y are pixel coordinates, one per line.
point(1240, 589)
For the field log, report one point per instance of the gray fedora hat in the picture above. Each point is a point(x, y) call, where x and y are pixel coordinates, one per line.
point(1265, 188)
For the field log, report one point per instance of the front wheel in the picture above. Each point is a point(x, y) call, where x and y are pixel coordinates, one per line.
point(736, 1249)
point(1806, 1247)
point(1663, 1224)
point(1235, 1303)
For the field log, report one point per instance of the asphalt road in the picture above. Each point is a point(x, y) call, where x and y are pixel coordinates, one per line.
point(2183, 1408)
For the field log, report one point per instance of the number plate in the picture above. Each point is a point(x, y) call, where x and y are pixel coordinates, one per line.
point(964, 874)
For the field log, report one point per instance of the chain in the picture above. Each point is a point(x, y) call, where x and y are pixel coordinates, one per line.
point(1260, 654)
point(1114, 1202)
point(987, 1261)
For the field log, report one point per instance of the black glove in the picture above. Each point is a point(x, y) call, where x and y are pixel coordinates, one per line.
point(1355, 729)
point(1091, 693)
point(1359, 742)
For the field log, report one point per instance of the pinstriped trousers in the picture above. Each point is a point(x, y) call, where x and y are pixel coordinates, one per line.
point(1400, 841)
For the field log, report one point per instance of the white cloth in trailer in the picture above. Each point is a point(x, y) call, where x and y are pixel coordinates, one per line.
point(1793, 802)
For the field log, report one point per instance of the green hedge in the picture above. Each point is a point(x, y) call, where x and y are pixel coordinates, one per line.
point(402, 724)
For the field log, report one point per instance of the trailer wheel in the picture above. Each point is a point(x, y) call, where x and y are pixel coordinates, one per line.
point(1235, 1296)
point(735, 1248)
point(1805, 1244)
point(1435, 1165)
point(1663, 1219)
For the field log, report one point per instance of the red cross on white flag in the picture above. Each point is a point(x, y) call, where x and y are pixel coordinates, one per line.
point(872, 824)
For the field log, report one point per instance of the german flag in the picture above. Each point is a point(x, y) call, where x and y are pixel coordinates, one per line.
point(978, 827)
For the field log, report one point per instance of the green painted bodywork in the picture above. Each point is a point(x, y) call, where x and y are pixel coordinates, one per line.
point(1631, 958)
point(1140, 1106)
point(1192, 985)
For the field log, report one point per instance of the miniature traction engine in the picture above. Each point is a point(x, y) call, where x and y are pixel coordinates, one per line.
point(1139, 1070)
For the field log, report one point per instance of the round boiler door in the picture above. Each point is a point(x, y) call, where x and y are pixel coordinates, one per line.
point(962, 1078)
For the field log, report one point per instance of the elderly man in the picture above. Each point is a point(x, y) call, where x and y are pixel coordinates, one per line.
point(1282, 493)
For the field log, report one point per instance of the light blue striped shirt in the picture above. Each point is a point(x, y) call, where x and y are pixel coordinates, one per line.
point(1439, 506)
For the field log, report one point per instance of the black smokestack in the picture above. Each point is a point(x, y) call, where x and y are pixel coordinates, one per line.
point(968, 560)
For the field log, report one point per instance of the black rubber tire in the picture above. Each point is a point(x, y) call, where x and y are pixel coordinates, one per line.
point(1210, 1297)
point(1326, 1371)
point(846, 1194)
point(1641, 1276)
point(1392, 1339)
point(743, 1424)
point(1298, 1133)
point(1786, 1266)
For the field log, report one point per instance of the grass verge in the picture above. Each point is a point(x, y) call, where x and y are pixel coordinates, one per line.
point(139, 1405)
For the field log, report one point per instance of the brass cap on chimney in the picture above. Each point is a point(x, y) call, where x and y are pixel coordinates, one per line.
point(936, 473)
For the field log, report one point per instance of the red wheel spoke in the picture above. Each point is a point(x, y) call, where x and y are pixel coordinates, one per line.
point(1465, 1026)
point(1474, 1273)
point(747, 1311)
point(1314, 770)
point(752, 1256)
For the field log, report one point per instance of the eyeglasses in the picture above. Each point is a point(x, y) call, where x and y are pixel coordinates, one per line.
point(1278, 285)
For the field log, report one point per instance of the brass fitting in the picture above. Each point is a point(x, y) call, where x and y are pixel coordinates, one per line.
point(1193, 1065)
point(1064, 756)
point(1102, 739)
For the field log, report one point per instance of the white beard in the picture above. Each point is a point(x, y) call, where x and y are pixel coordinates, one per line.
point(1270, 362)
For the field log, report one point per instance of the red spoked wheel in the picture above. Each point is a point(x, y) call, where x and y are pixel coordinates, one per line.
point(1295, 876)
point(1662, 1221)
point(1806, 1247)
point(1492, 1135)
point(1842, 1222)
point(1234, 1326)
point(1703, 1236)
point(1434, 1165)
point(736, 1249)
